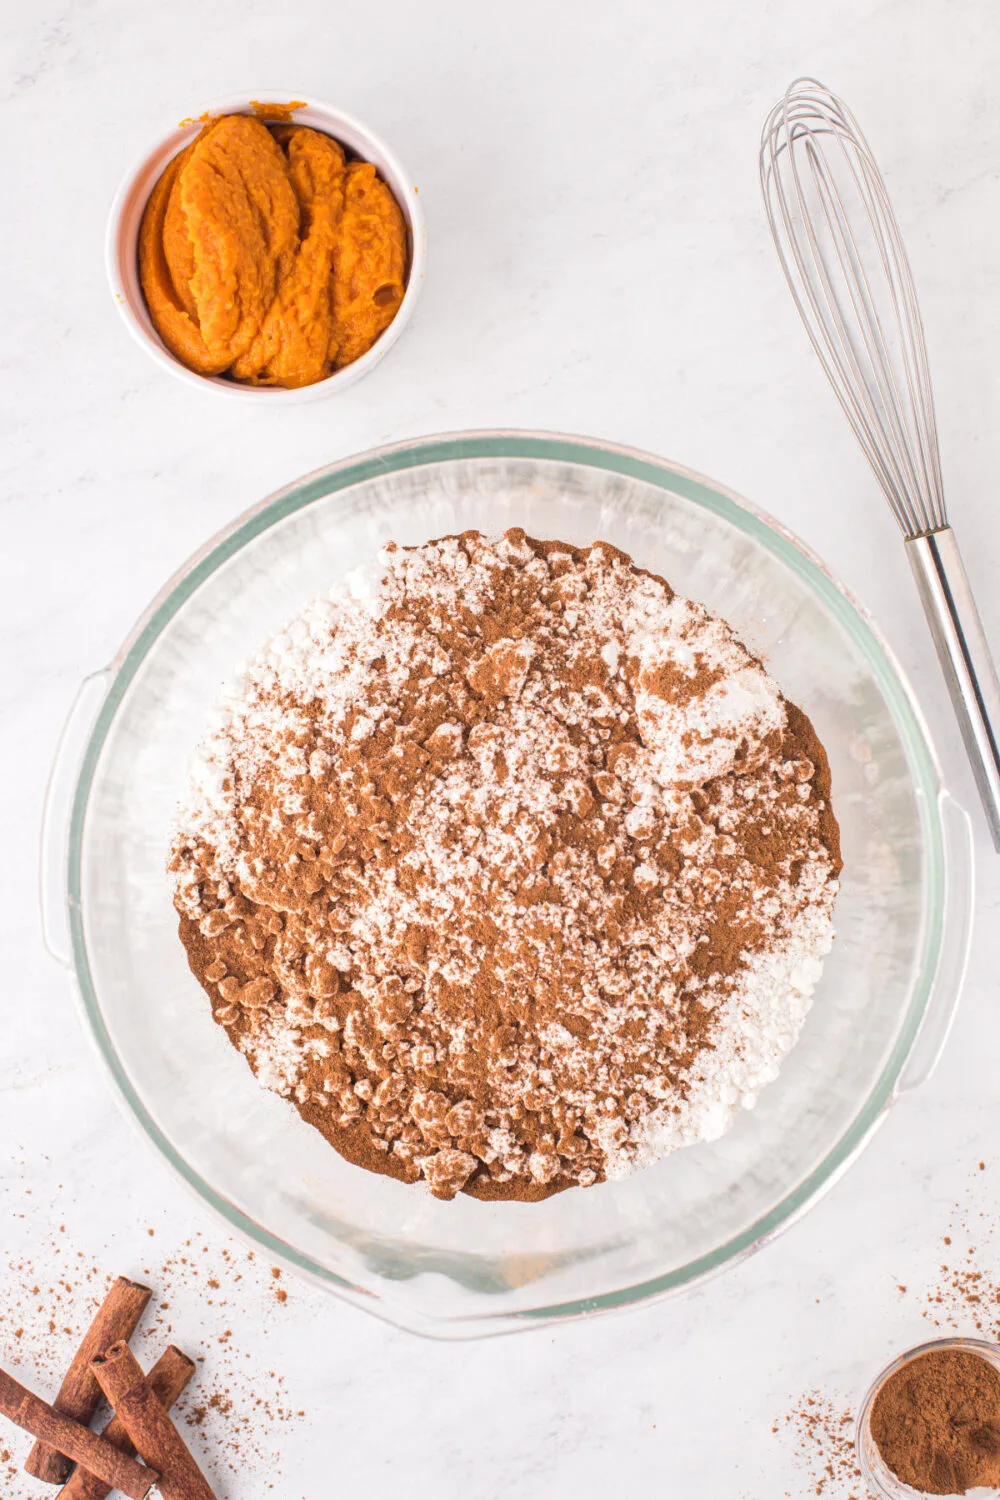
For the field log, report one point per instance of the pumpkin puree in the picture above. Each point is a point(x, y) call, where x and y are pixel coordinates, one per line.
point(265, 255)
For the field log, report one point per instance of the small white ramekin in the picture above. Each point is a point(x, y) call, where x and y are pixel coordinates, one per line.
point(122, 248)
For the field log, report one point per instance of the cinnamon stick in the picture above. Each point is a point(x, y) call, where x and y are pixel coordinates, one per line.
point(78, 1443)
point(168, 1377)
point(79, 1395)
point(156, 1439)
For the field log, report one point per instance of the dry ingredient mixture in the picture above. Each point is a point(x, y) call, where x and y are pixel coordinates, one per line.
point(509, 867)
point(937, 1423)
point(266, 255)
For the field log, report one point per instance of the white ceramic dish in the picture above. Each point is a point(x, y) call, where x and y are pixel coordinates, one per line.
point(130, 201)
point(878, 1019)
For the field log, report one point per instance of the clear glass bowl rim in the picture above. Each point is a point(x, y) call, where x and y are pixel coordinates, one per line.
point(667, 476)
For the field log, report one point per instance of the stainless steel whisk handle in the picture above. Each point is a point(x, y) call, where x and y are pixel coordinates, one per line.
point(965, 658)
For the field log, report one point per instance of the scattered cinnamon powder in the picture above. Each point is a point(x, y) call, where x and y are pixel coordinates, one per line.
point(965, 1296)
point(10, 1469)
point(510, 868)
point(936, 1423)
point(824, 1445)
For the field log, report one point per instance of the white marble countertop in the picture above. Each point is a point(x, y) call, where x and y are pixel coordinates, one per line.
point(598, 263)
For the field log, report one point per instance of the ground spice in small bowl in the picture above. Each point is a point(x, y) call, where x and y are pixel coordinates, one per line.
point(936, 1422)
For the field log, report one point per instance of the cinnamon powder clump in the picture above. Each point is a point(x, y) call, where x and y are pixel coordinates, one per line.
point(510, 868)
point(937, 1423)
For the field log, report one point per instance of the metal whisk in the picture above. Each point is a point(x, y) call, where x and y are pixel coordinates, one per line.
point(845, 263)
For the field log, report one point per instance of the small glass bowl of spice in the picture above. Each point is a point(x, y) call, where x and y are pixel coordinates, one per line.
point(930, 1423)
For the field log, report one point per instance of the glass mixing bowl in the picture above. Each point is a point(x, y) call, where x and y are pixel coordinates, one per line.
point(466, 1267)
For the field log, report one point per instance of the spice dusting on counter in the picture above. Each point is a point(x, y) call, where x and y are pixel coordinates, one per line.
point(965, 1295)
point(266, 255)
point(823, 1432)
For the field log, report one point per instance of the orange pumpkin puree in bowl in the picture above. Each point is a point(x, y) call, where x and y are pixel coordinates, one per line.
point(266, 255)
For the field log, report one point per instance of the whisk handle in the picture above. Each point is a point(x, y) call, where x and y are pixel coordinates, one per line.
point(965, 658)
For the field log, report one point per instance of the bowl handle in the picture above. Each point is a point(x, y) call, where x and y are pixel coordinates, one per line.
point(59, 794)
point(953, 959)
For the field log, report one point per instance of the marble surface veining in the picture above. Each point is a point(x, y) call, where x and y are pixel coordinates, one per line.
point(598, 263)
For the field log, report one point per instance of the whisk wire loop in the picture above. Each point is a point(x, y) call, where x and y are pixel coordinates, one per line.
point(843, 257)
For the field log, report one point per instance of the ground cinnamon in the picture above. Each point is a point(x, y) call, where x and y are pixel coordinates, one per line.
point(936, 1423)
point(79, 1394)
